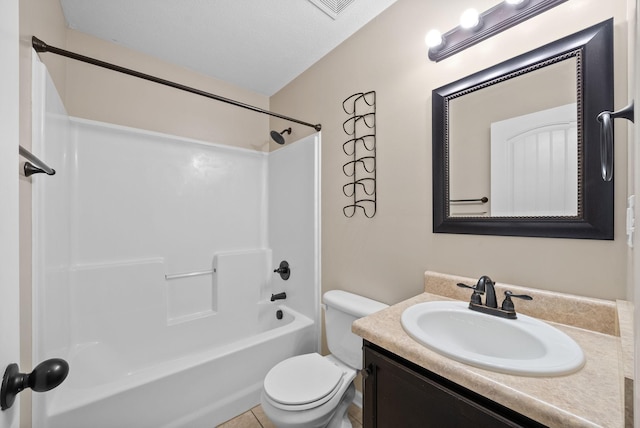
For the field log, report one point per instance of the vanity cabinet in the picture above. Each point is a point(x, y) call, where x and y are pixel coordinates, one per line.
point(398, 393)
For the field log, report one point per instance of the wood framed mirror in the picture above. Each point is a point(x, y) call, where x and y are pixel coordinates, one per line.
point(516, 147)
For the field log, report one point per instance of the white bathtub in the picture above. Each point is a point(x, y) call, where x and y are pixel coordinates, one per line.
point(199, 390)
point(115, 247)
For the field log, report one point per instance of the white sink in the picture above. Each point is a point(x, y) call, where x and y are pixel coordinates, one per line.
point(524, 346)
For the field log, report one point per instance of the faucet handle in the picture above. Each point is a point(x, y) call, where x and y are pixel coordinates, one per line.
point(507, 304)
point(475, 297)
point(284, 270)
point(472, 287)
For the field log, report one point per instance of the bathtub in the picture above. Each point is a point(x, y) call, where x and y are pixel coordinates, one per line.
point(199, 390)
point(114, 257)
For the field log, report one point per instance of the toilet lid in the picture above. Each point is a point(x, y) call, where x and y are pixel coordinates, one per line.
point(303, 379)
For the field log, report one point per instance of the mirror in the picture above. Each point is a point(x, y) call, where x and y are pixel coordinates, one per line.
point(516, 146)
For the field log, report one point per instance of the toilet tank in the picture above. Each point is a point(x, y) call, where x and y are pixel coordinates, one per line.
point(342, 309)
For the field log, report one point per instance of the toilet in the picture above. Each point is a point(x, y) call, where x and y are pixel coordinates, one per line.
point(315, 391)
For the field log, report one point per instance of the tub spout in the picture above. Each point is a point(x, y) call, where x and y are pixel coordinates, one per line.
point(279, 296)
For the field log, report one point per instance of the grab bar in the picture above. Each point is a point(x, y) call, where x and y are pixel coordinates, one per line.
point(34, 165)
point(469, 214)
point(606, 138)
point(189, 274)
point(483, 200)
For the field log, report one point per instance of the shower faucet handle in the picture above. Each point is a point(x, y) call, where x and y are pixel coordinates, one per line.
point(283, 270)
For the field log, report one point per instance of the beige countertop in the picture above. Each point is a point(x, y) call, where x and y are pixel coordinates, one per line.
point(592, 397)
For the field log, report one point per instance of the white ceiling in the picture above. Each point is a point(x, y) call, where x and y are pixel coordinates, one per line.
point(261, 45)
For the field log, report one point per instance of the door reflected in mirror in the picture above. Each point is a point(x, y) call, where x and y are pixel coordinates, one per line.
point(517, 147)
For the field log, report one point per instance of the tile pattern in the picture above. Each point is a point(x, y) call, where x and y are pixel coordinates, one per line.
point(255, 418)
point(245, 420)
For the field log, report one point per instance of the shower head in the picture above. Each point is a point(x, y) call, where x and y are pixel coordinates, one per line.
point(277, 136)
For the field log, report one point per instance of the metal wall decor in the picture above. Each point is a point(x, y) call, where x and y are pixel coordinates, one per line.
point(360, 128)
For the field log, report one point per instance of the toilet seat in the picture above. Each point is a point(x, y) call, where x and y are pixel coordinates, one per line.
point(303, 382)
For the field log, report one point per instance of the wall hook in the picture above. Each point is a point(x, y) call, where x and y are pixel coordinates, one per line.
point(606, 138)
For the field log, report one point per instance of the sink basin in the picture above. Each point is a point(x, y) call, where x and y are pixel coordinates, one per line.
point(524, 346)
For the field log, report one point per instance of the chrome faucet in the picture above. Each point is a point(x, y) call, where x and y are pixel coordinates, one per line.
point(486, 286)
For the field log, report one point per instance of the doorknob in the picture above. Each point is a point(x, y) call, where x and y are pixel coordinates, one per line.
point(47, 375)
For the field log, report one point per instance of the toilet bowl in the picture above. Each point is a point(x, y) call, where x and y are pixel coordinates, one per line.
point(315, 391)
point(308, 391)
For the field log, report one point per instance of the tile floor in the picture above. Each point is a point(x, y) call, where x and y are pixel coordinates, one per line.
point(255, 418)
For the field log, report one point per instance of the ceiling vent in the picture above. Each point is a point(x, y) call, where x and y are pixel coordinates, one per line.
point(332, 7)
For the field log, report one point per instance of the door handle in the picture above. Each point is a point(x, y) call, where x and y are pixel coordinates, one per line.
point(47, 375)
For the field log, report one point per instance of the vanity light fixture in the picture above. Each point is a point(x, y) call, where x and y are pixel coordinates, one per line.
point(475, 27)
point(434, 39)
point(470, 19)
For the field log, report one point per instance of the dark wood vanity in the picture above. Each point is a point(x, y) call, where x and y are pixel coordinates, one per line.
point(398, 393)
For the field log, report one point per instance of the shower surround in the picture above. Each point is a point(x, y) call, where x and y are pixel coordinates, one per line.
point(153, 270)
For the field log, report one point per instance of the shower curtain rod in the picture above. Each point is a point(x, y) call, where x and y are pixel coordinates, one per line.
point(41, 46)
point(33, 164)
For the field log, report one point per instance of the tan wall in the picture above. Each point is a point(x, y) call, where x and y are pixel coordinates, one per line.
point(385, 257)
point(104, 95)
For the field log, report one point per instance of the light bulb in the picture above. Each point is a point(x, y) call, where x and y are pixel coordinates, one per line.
point(433, 39)
point(518, 4)
point(470, 18)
